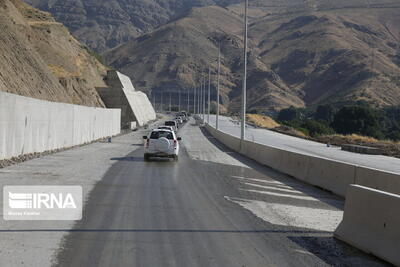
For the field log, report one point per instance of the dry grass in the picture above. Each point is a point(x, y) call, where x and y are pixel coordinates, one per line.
point(359, 139)
point(262, 121)
point(389, 147)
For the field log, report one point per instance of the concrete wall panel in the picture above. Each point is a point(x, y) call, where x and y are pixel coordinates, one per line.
point(377, 179)
point(331, 175)
point(30, 125)
point(371, 222)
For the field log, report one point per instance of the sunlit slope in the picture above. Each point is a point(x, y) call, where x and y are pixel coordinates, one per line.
point(41, 59)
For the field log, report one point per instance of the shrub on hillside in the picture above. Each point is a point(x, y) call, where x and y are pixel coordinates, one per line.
point(316, 128)
point(357, 119)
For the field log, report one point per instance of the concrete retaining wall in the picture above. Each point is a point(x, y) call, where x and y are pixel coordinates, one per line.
point(30, 125)
point(371, 222)
point(331, 175)
point(120, 93)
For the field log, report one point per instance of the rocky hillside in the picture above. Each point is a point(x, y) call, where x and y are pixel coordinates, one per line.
point(104, 24)
point(301, 58)
point(41, 59)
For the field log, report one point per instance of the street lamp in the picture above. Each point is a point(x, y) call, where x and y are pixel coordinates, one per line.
point(194, 100)
point(219, 68)
point(209, 88)
point(204, 97)
point(243, 122)
point(188, 100)
point(170, 102)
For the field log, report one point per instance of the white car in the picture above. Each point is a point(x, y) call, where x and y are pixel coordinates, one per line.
point(179, 120)
point(161, 143)
point(173, 124)
point(165, 128)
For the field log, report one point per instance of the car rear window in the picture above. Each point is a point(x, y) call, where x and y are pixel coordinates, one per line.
point(160, 134)
point(170, 123)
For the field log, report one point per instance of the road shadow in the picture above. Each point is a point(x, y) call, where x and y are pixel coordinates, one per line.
point(335, 252)
point(141, 144)
point(134, 159)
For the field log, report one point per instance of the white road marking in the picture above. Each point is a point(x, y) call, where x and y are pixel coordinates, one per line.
point(282, 195)
point(275, 188)
point(287, 215)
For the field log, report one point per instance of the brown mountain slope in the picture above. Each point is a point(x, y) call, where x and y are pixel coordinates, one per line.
point(39, 58)
point(104, 24)
point(173, 57)
point(306, 58)
point(335, 56)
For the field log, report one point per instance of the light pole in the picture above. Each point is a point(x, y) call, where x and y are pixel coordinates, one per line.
point(209, 88)
point(162, 102)
point(187, 110)
point(219, 69)
point(243, 122)
point(179, 108)
point(204, 97)
point(170, 102)
point(201, 97)
point(198, 98)
point(194, 100)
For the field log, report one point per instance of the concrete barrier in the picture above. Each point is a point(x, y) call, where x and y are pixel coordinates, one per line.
point(29, 125)
point(295, 164)
point(334, 176)
point(378, 179)
point(371, 222)
point(331, 175)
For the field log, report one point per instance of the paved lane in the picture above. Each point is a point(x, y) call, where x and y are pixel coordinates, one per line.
point(193, 213)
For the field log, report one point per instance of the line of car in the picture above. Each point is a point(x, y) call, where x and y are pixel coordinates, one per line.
point(163, 140)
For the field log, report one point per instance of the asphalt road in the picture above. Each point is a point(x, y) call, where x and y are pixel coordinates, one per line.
point(188, 213)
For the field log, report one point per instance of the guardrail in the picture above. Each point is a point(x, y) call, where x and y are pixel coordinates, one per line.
point(334, 176)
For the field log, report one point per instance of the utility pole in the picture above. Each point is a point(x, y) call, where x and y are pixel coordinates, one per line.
point(209, 88)
point(170, 102)
point(219, 69)
point(204, 97)
point(198, 99)
point(179, 100)
point(201, 97)
point(188, 100)
point(243, 122)
point(162, 102)
point(194, 100)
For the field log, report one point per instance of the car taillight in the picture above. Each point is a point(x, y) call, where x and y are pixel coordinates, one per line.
point(175, 143)
point(147, 143)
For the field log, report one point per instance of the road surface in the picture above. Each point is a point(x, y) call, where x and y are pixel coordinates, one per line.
point(307, 147)
point(212, 208)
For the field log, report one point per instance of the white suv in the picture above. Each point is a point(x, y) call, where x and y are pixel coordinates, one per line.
point(161, 143)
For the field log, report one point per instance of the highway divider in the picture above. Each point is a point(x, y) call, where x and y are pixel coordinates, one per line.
point(29, 125)
point(371, 222)
point(331, 175)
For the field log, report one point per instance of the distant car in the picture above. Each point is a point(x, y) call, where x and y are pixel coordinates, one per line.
point(179, 120)
point(183, 116)
point(166, 128)
point(173, 124)
point(161, 143)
